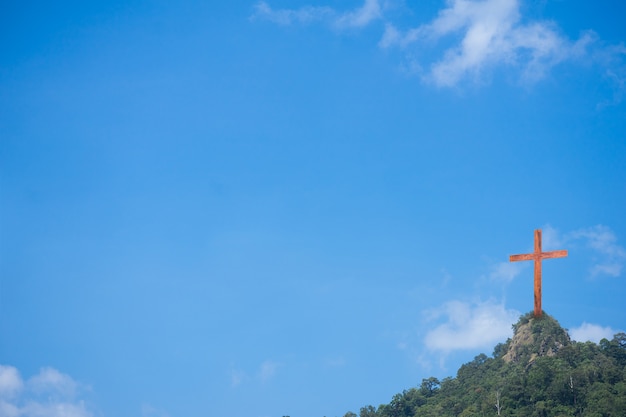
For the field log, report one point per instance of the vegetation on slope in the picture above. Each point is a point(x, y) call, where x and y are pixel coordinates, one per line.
point(539, 372)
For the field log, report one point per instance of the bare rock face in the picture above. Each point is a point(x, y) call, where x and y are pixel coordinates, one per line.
point(535, 338)
point(520, 344)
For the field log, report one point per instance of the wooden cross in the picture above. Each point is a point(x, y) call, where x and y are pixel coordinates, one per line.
point(538, 256)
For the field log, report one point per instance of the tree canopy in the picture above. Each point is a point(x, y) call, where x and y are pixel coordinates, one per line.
point(540, 372)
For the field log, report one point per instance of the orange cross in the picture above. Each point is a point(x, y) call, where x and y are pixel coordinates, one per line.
point(538, 256)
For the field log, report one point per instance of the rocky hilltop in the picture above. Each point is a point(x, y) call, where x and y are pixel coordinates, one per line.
point(534, 338)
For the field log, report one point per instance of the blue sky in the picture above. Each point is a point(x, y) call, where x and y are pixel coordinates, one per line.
point(297, 208)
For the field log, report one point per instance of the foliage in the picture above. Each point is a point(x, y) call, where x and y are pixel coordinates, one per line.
point(539, 374)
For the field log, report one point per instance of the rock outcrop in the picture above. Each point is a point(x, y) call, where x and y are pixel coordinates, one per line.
point(534, 338)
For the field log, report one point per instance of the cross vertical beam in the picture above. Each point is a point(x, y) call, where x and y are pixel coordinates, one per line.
point(538, 273)
point(537, 256)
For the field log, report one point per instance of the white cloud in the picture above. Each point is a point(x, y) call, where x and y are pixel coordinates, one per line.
point(479, 36)
point(470, 326)
point(8, 410)
point(10, 381)
point(612, 58)
point(602, 239)
point(54, 409)
point(47, 394)
point(490, 33)
point(303, 15)
point(609, 256)
point(52, 382)
point(611, 269)
point(591, 332)
point(360, 17)
point(551, 239)
point(357, 18)
point(505, 271)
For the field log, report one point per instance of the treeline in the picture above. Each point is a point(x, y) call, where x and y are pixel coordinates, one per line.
point(538, 373)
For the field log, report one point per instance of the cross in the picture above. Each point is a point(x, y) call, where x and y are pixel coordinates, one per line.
point(538, 256)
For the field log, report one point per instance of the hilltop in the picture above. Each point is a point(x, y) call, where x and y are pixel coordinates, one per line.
point(539, 372)
point(535, 338)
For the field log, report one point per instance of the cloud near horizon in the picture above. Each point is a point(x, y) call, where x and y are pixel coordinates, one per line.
point(588, 332)
point(50, 393)
point(469, 326)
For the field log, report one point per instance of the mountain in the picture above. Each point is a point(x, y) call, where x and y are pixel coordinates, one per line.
point(539, 372)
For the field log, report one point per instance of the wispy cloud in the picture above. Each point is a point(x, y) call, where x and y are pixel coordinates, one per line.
point(612, 58)
point(356, 18)
point(47, 394)
point(268, 370)
point(606, 256)
point(148, 410)
point(489, 33)
point(462, 326)
point(10, 381)
point(304, 15)
point(369, 12)
point(53, 382)
point(334, 362)
point(479, 37)
point(505, 271)
point(551, 238)
point(591, 332)
point(237, 377)
point(265, 372)
point(609, 257)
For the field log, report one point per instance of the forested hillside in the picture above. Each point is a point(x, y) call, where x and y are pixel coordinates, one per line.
point(539, 372)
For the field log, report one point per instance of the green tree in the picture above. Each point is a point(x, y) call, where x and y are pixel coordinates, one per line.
point(429, 386)
point(368, 411)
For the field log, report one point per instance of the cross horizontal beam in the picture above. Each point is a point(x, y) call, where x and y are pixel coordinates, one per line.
point(542, 255)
